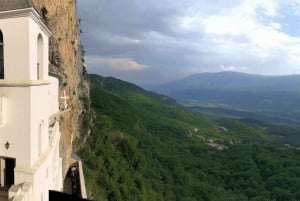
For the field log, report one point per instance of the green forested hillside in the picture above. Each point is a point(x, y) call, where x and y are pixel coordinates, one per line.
point(141, 148)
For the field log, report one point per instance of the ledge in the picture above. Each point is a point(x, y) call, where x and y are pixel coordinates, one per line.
point(23, 83)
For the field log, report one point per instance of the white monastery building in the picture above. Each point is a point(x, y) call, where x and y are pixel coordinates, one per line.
point(30, 164)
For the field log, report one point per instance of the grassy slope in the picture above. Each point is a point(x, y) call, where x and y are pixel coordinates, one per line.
point(142, 149)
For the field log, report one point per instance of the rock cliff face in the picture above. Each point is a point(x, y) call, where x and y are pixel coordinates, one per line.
point(66, 63)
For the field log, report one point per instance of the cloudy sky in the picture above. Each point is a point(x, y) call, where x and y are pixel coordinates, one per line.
point(155, 41)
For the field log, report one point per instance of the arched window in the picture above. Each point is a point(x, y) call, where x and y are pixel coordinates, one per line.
point(40, 54)
point(1, 56)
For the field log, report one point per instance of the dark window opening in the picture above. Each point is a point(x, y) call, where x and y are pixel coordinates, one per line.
point(7, 175)
point(1, 57)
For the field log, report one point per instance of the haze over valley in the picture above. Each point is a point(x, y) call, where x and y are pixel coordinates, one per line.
point(231, 94)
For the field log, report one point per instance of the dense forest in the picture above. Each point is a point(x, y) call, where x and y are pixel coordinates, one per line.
point(145, 147)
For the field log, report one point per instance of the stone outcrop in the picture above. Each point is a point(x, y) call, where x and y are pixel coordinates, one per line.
point(66, 63)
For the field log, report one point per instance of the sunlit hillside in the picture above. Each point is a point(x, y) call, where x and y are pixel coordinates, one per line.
point(141, 148)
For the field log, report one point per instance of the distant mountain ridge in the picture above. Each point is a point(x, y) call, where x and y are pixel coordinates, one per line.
point(273, 98)
point(233, 80)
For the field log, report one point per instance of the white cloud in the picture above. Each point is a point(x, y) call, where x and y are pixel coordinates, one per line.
point(275, 25)
point(232, 68)
point(190, 22)
point(263, 39)
point(120, 64)
point(269, 6)
point(293, 53)
point(242, 19)
point(295, 4)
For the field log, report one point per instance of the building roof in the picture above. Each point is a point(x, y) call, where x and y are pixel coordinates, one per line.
point(6, 5)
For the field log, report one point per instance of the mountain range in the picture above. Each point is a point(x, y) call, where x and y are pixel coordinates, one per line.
point(271, 98)
point(233, 80)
